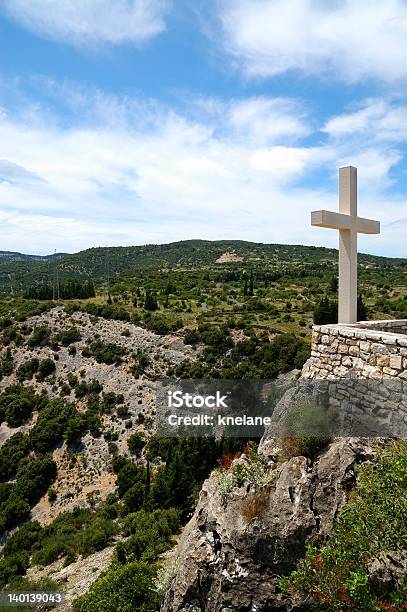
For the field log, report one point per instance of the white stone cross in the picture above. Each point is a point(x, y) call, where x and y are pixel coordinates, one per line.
point(349, 225)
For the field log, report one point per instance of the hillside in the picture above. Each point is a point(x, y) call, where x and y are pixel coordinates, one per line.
point(18, 270)
point(10, 256)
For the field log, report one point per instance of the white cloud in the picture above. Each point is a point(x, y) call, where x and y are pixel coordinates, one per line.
point(90, 22)
point(266, 120)
point(350, 40)
point(157, 176)
point(378, 118)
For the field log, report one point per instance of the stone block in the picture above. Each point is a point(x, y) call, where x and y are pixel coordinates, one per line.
point(390, 372)
point(381, 349)
point(343, 349)
point(383, 361)
point(396, 362)
point(341, 371)
point(347, 362)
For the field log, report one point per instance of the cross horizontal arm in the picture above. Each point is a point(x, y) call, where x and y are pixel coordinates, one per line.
point(367, 226)
point(326, 218)
point(340, 221)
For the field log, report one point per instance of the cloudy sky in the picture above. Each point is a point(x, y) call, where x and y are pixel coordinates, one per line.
point(139, 121)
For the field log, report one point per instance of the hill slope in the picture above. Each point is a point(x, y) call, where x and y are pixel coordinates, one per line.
point(18, 270)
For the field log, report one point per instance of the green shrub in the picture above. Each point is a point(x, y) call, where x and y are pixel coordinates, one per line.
point(27, 369)
point(124, 587)
point(14, 510)
point(40, 336)
point(34, 477)
point(141, 362)
point(67, 336)
point(52, 496)
point(108, 353)
point(46, 368)
point(7, 364)
point(136, 443)
point(51, 425)
point(11, 452)
point(17, 403)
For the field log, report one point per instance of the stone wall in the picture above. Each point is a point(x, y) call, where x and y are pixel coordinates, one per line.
point(369, 349)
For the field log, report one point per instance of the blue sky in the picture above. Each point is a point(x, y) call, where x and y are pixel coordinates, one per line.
point(140, 121)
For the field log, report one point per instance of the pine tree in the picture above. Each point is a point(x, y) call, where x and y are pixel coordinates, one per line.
point(362, 309)
point(251, 284)
point(245, 287)
point(326, 312)
point(150, 302)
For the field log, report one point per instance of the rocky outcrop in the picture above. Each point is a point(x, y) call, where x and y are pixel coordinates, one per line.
point(388, 572)
point(234, 549)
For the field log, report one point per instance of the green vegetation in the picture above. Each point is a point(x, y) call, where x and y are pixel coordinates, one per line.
point(67, 336)
point(109, 353)
point(25, 456)
point(254, 357)
point(334, 576)
point(124, 587)
point(68, 290)
point(136, 443)
point(17, 404)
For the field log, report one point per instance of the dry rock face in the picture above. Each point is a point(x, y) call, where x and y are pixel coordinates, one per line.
point(229, 563)
point(90, 479)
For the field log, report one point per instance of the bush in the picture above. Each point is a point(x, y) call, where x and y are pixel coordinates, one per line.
point(11, 452)
point(17, 403)
point(136, 443)
point(141, 362)
point(109, 353)
point(14, 510)
point(255, 504)
point(67, 336)
point(306, 429)
point(123, 587)
point(13, 565)
point(7, 364)
point(27, 369)
point(39, 337)
point(51, 425)
point(34, 477)
point(45, 369)
point(192, 336)
point(52, 496)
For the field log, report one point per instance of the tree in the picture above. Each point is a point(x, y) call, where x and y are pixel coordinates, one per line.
point(333, 284)
point(362, 309)
point(326, 312)
point(150, 303)
point(251, 284)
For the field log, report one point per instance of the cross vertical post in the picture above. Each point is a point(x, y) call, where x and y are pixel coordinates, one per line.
point(348, 264)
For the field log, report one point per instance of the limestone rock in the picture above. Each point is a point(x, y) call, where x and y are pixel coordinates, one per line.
point(227, 562)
